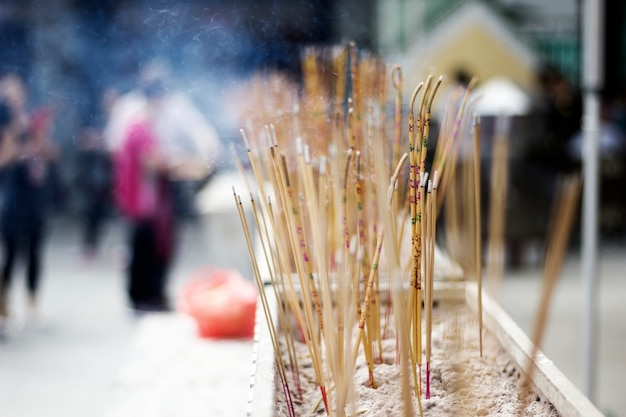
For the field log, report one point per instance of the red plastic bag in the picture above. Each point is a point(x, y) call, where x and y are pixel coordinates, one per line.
point(222, 302)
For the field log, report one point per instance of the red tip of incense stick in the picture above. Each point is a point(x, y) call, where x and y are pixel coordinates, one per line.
point(296, 378)
point(427, 380)
point(287, 392)
point(323, 389)
point(372, 382)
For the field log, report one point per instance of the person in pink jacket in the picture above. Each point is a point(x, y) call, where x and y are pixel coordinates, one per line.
point(143, 196)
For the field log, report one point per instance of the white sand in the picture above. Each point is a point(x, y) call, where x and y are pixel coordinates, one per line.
point(462, 383)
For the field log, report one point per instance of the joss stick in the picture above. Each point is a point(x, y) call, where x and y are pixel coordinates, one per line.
point(451, 197)
point(417, 236)
point(356, 93)
point(334, 341)
point(427, 187)
point(415, 291)
point(426, 104)
point(291, 293)
point(266, 309)
point(440, 163)
point(429, 263)
point(362, 336)
point(302, 241)
point(396, 81)
point(497, 207)
point(563, 213)
point(239, 166)
point(426, 119)
point(339, 73)
point(310, 334)
point(399, 308)
point(477, 213)
point(362, 232)
point(253, 164)
point(396, 291)
point(300, 232)
point(451, 209)
point(382, 80)
point(373, 319)
point(444, 138)
point(344, 205)
point(289, 337)
point(351, 126)
point(299, 247)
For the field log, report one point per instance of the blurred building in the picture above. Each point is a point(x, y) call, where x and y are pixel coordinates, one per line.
point(472, 40)
point(550, 28)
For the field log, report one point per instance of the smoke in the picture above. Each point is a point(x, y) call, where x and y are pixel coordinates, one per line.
point(71, 52)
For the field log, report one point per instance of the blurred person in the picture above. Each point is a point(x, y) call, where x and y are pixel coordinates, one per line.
point(95, 178)
point(144, 174)
point(159, 140)
point(612, 166)
point(5, 123)
point(26, 154)
point(184, 132)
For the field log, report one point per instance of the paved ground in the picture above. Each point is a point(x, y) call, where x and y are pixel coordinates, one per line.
point(68, 369)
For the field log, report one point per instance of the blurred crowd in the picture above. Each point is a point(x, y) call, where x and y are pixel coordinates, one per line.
point(136, 161)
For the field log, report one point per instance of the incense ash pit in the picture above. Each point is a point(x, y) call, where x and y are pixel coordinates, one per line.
point(462, 383)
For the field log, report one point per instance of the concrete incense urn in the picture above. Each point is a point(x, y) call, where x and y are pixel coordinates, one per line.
point(507, 351)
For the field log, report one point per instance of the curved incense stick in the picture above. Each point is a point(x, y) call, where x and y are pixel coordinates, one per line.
point(415, 296)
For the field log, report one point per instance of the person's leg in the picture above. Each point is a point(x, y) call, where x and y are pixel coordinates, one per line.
point(154, 270)
point(33, 272)
point(140, 265)
point(9, 245)
point(94, 218)
point(89, 236)
point(159, 281)
point(163, 257)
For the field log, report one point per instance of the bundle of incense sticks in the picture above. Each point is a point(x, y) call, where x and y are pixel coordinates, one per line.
point(329, 169)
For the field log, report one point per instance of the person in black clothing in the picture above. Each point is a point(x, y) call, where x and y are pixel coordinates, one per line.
point(26, 153)
point(95, 178)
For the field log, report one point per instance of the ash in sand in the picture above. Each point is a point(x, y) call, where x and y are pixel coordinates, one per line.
point(462, 383)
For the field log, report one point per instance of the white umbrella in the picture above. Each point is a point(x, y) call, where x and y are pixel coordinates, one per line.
point(500, 96)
